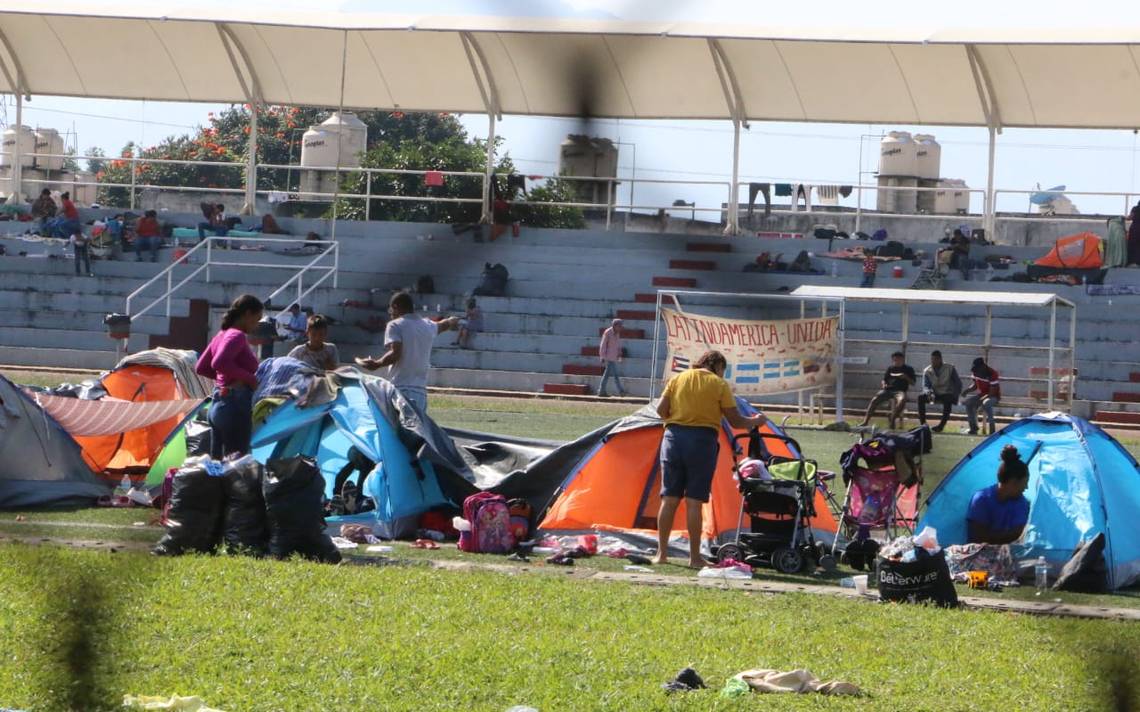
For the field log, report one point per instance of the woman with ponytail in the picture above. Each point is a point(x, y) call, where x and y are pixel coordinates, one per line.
point(230, 363)
point(998, 513)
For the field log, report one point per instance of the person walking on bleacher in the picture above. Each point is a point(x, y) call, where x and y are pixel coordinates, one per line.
point(869, 267)
point(609, 352)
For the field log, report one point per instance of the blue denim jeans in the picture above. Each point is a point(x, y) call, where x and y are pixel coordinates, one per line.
point(231, 421)
point(611, 372)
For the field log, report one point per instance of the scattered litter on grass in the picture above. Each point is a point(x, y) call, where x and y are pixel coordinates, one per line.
point(342, 543)
point(379, 549)
point(639, 569)
point(686, 681)
point(174, 702)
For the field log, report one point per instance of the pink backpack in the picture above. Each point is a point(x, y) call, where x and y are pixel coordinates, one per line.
point(490, 520)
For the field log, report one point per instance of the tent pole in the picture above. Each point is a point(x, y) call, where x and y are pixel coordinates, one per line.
point(656, 338)
point(988, 218)
point(839, 362)
point(1072, 354)
point(1052, 345)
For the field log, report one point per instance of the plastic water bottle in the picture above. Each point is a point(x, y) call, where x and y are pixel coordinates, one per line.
point(1041, 574)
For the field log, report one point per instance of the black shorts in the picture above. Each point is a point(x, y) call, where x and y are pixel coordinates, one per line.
point(688, 461)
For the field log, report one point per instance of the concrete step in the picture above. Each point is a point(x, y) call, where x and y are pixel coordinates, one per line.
point(679, 282)
point(76, 321)
point(699, 265)
point(1121, 418)
point(525, 381)
point(59, 358)
point(708, 247)
point(1126, 397)
point(566, 389)
point(1134, 376)
point(579, 369)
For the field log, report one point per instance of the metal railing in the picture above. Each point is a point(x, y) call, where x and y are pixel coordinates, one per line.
point(612, 202)
point(206, 247)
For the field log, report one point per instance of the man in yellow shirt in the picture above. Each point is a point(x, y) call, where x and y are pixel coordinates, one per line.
point(692, 406)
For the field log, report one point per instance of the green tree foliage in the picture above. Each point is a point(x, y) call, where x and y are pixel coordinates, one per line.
point(396, 141)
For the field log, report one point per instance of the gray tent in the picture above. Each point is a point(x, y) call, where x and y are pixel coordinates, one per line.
point(40, 464)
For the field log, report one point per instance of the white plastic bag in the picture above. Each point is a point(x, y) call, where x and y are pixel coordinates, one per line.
point(460, 524)
point(928, 539)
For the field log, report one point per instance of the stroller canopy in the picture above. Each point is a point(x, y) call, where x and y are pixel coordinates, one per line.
point(1081, 482)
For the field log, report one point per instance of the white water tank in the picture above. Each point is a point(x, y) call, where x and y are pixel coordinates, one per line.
point(952, 197)
point(897, 155)
point(27, 146)
point(343, 132)
point(895, 200)
point(49, 141)
point(927, 157)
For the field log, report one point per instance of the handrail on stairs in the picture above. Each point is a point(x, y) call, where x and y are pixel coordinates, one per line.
point(329, 247)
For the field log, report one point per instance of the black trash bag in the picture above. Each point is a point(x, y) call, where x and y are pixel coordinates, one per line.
point(198, 434)
point(244, 528)
point(924, 580)
point(1086, 572)
point(493, 282)
point(194, 520)
point(293, 489)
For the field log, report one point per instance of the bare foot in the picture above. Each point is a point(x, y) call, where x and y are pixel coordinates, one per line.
point(659, 560)
point(698, 564)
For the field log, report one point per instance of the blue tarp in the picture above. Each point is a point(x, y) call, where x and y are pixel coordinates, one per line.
point(401, 484)
point(1081, 482)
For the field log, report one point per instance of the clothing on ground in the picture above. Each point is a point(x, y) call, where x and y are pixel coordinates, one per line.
point(698, 397)
point(416, 336)
point(326, 358)
point(996, 514)
point(762, 680)
point(229, 360)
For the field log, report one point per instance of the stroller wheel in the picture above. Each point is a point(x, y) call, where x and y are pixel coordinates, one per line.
point(730, 551)
point(827, 563)
point(787, 561)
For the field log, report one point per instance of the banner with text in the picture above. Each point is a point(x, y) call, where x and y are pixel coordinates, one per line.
point(764, 357)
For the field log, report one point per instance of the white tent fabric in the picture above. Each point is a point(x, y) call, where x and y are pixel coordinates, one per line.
point(995, 73)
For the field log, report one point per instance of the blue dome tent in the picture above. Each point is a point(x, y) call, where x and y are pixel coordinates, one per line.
point(417, 466)
point(1081, 482)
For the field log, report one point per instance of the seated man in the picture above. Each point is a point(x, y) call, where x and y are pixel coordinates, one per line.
point(148, 236)
point(940, 384)
point(897, 379)
point(292, 325)
point(998, 513)
point(984, 393)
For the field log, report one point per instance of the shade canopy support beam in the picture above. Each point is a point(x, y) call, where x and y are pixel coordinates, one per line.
point(734, 98)
point(485, 81)
point(991, 109)
point(251, 87)
point(14, 74)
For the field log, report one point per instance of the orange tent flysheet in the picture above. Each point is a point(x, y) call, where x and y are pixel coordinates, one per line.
point(1080, 251)
point(618, 487)
point(132, 452)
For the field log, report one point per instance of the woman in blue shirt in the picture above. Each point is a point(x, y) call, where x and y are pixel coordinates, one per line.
point(998, 513)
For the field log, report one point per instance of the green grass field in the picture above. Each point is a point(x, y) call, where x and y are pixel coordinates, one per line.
point(254, 635)
point(81, 629)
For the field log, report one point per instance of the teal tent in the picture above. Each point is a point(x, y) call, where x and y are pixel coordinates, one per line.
point(1081, 482)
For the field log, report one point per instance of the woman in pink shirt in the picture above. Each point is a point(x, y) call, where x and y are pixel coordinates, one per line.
point(609, 352)
point(230, 362)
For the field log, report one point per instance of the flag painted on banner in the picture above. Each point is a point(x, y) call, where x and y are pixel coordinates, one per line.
point(764, 357)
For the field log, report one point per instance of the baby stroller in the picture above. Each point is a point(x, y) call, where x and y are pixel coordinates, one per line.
point(883, 476)
point(778, 495)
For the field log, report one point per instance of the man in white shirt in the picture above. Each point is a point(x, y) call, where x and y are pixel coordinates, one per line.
point(291, 325)
point(407, 341)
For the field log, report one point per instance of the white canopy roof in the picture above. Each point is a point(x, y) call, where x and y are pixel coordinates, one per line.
point(934, 296)
point(874, 69)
